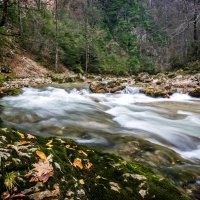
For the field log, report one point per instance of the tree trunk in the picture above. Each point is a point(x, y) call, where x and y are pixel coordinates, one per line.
point(4, 13)
point(56, 19)
point(86, 38)
point(195, 34)
point(20, 18)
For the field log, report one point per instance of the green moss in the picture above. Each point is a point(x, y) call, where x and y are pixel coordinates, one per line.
point(107, 177)
point(10, 92)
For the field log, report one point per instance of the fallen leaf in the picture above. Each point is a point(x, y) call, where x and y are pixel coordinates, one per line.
point(50, 158)
point(20, 134)
point(23, 142)
point(18, 195)
point(114, 186)
point(5, 196)
point(42, 171)
point(82, 152)
point(78, 163)
point(62, 141)
point(41, 155)
point(100, 177)
point(69, 147)
point(89, 165)
point(81, 181)
point(29, 136)
point(49, 144)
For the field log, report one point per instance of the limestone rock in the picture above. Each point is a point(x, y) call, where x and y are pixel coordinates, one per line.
point(106, 87)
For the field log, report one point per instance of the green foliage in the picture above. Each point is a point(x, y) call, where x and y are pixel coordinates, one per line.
point(10, 180)
point(111, 30)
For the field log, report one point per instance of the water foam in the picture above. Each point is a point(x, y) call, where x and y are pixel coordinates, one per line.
point(51, 109)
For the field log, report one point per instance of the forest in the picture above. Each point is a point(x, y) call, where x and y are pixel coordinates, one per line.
point(100, 36)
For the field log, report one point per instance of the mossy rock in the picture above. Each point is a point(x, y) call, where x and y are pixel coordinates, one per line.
point(10, 92)
point(155, 92)
point(74, 172)
point(195, 93)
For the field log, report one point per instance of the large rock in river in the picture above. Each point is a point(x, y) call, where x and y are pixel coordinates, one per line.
point(195, 92)
point(39, 168)
point(106, 86)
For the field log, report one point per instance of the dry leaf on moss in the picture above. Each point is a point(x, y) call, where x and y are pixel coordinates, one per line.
point(82, 152)
point(78, 163)
point(20, 134)
point(89, 165)
point(29, 136)
point(49, 144)
point(69, 147)
point(23, 142)
point(42, 171)
point(81, 181)
point(41, 155)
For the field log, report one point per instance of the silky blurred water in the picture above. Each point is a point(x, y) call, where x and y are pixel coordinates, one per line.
point(96, 119)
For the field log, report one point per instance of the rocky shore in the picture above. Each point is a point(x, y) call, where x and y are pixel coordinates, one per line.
point(37, 168)
point(159, 85)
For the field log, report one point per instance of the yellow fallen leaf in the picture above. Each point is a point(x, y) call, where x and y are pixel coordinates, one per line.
point(49, 144)
point(78, 163)
point(62, 141)
point(20, 134)
point(82, 152)
point(41, 155)
point(81, 181)
point(23, 142)
point(100, 177)
point(69, 147)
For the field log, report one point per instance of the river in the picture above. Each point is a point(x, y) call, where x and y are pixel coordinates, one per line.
point(102, 119)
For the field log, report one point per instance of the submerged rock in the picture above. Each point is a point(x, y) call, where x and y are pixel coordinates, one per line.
point(33, 167)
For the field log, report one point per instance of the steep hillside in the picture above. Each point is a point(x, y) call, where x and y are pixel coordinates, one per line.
point(101, 36)
point(180, 21)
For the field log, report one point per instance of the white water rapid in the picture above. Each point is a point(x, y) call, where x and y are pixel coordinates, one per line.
point(95, 118)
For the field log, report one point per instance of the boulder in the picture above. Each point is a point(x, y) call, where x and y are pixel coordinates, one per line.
point(195, 92)
point(106, 87)
point(39, 168)
point(156, 92)
point(5, 69)
point(144, 78)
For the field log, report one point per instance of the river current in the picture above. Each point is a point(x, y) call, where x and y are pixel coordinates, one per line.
point(98, 119)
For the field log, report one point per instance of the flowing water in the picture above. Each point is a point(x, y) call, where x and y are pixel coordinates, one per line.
point(98, 119)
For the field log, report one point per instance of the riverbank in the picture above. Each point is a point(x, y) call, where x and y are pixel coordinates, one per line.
point(159, 85)
point(33, 167)
point(24, 71)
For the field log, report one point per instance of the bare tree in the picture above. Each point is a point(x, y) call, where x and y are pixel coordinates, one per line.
point(195, 21)
point(87, 47)
point(56, 21)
